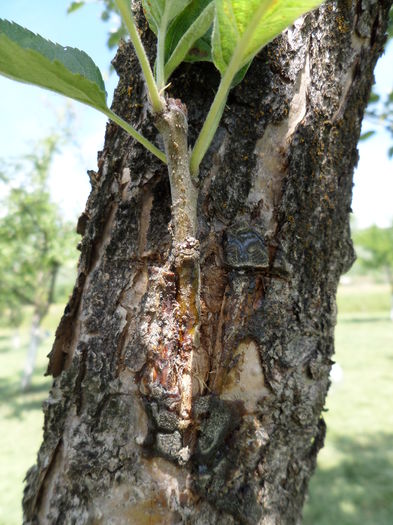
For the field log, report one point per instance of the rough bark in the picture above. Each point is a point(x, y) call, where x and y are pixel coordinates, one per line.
point(273, 230)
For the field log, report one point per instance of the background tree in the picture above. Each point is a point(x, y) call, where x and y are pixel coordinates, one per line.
point(35, 241)
point(379, 114)
point(273, 229)
point(109, 13)
point(376, 252)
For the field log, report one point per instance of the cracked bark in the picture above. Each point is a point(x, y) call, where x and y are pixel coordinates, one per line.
point(121, 443)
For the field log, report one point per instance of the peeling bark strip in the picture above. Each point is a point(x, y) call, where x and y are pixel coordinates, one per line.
point(192, 363)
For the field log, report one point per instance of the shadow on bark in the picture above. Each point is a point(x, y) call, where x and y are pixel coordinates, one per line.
point(356, 490)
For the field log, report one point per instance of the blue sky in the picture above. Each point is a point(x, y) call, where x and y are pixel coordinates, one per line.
point(28, 113)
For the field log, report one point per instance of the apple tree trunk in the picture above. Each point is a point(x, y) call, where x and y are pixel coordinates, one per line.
point(139, 429)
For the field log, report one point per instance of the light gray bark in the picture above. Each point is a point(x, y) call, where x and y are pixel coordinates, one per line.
point(273, 232)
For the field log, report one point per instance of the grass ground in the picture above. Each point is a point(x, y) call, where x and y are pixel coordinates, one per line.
point(353, 484)
point(21, 417)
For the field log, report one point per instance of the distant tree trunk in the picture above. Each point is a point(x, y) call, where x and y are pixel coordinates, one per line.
point(391, 306)
point(274, 236)
point(34, 341)
point(39, 313)
point(389, 273)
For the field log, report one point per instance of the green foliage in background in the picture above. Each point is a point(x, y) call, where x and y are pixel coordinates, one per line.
point(118, 30)
point(375, 251)
point(21, 416)
point(375, 248)
point(379, 113)
point(35, 241)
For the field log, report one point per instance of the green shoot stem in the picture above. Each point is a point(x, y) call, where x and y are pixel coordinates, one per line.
point(213, 117)
point(128, 19)
point(135, 134)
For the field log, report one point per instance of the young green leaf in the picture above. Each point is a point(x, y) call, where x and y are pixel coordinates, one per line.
point(74, 6)
point(201, 50)
point(367, 135)
point(159, 14)
point(259, 21)
point(124, 6)
point(156, 10)
point(28, 57)
point(186, 32)
point(241, 29)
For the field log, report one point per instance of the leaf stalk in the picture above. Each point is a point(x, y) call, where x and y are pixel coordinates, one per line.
point(128, 19)
point(213, 117)
point(135, 134)
point(161, 50)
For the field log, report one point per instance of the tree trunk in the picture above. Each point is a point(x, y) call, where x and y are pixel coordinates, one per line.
point(389, 273)
point(273, 228)
point(34, 341)
point(39, 313)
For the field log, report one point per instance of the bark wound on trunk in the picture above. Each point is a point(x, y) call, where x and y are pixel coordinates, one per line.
point(179, 353)
point(191, 370)
point(272, 152)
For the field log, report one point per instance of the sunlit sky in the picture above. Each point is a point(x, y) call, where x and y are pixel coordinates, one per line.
point(29, 113)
